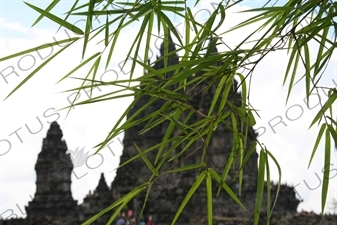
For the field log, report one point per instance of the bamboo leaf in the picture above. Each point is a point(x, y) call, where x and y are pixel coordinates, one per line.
point(125, 199)
point(188, 167)
point(209, 198)
point(307, 71)
point(326, 176)
point(114, 40)
point(268, 190)
point(292, 78)
point(79, 66)
point(320, 134)
point(333, 133)
point(260, 187)
point(56, 19)
point(331, 99)
point(106, 39)
point(279, 179)
point(146, 160)
point(188, 196)
point(320, 50)
point(37, 69)
point(217, 94)
point(88, 25)
point(50, 7)
point(168, 132)
point(48, 45)
point(229, 191)
point(96, 65)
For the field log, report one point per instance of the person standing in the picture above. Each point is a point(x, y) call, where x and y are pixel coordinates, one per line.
point(122, 220)
point(149, 222)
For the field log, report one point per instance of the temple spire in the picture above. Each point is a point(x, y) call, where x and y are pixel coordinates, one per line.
point(212, 49)
point(53, 197)
point(102, 186)
point(171, 46)
point(54, 131)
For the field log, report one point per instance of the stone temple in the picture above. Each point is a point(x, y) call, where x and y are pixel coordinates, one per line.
point(53, 203)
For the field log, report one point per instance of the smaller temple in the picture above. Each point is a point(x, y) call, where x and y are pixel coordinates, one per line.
point(96, 201)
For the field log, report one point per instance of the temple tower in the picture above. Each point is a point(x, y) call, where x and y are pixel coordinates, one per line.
point(53, 202)
point(169, 190)
point(96, 201)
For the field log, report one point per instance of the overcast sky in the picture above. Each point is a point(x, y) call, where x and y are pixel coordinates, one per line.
point(283, 127)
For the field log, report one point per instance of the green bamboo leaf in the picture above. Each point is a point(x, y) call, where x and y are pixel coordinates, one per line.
point(88, 25)
point(224, 96)
point(217, 94)
point(178, 142)
point(79, 66)
point(209, 198)
point(172, 8)
point(48, 45)
point(179, 77)
point(187, 29)
point(229, 163)
point(326, 176)
point(184, 149)
point(260, 187)
point(125, 199)
point(57, 19)
point(222, 16)
point(320, 133)
point(173, 2)
point(50, 7)
point(117, 212)
point(333, 133)
point(229, 191)
point(168, 132)
point(290, 62)
point(241, 149)
point(292, 78)
point(249, 153)
point(152, 148)
point(196, 3)
point(146, 10)
point(73, 7)
point(166, 21)
point(106, 12)
point(167, 36)
point(148, 39)
point(268, 190)
point(243, 89)
point(106, 39)
point(188, 196)
point(307, 70)
point(146, 160)
point(188, 167)
point(114, 40)
point(321, 48)
point(38, 69)
point(191, 18)
point(96, 65)
point(279, 179)
point(82, 87)
point(145, 199)
point(331, 99)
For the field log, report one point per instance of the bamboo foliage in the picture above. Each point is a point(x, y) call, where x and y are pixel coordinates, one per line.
point(221, 68)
